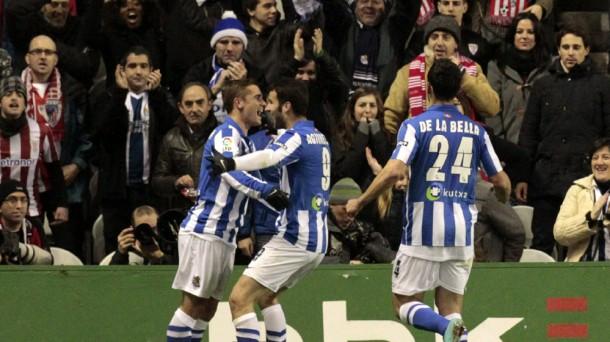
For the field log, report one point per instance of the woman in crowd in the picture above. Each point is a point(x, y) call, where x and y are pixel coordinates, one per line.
point(525, 59)
point(584, 218)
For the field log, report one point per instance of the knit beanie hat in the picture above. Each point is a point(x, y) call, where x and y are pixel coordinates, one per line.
point(9, 186)
point(10, 84)
point(229, 26)
point(344, 190)
point(442, 23)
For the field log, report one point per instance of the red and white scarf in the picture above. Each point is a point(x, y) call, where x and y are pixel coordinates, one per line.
point(426, 11)
point(417, 91)
point(502, 12)
point(49, 108)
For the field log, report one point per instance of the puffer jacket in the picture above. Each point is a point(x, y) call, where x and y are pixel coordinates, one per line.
point(565, 114)
point(571, 228)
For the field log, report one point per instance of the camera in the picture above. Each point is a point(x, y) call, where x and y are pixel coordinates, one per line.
point(145, 234)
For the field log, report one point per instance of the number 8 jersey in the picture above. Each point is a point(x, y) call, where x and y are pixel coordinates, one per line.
point(443, 149)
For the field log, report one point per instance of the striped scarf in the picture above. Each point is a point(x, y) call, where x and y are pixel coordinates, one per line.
point(426, 11)
point(217, 105)
point(417, 91)
point(49, 108)
point(502, 12)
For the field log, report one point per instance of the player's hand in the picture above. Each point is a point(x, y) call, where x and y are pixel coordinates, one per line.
point(352, 207)
point(221, 164)
point(125, 240)
point(246, 246)
point(277, 199)
point(521, 192)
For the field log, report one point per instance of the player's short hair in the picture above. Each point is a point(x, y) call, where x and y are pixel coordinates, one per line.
point(295, 92)
point(186, 86)
point(234, 89)
point(136, 50)
point(445, 78)
point(142, 210)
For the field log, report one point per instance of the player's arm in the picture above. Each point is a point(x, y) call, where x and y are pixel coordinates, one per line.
point(268, 194)
point(392, 172)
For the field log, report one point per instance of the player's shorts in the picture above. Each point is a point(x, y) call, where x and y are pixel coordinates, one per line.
point(205, 265)
point(411, 275)
point(281, 265)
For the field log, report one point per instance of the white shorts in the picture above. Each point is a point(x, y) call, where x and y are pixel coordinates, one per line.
point(205, 265)
point(281, 265)
point(411, 275)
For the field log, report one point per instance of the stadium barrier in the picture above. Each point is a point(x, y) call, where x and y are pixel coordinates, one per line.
point(504, 302)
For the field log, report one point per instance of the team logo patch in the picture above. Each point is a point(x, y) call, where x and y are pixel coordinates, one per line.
point(433, 192)
point(317, 203)
point(196, 281)
point(473, 48)
point(227, 144)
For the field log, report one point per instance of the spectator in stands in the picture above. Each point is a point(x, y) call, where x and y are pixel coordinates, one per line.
point(584, 218)
point(409, 93)
point(327, 86)
point(127, 23)
point(54, 101)
point(129, 130)
point(229, 42)
point(25, 145)
point(523, 60)
point(371, 51)
point(498, 233)
point(472, 45)
point(567, 111)
point(353, 241)
point(143, 217)
point(177, 170)
point(73, 35)
point(492, 18)
point(187, 24)
point(22, 242)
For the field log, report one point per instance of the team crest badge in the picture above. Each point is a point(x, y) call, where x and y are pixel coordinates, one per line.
point(196, 281)
point(364, 59)
point(473, 48)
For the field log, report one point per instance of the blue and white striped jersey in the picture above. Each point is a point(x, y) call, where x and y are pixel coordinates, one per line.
point(304, 155)
point(222, 201)
point(444, 149)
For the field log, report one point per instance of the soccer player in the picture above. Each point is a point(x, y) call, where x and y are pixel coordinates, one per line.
point(206, 242)
point(440, 150)
point(304, 155)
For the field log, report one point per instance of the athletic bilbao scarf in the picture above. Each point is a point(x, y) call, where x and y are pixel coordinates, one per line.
point(417, 81)
point(426, 11)
point(47, 109)
point(502, 12)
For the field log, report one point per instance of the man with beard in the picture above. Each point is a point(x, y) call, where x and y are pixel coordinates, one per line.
point(177, 170)
point(128, 133)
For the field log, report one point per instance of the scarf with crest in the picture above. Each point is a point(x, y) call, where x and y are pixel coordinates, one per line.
point(47, 109)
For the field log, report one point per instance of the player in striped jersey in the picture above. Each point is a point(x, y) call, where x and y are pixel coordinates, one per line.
point(440, 151)
point(25, 146)
point(304, 155)
point(206, 242)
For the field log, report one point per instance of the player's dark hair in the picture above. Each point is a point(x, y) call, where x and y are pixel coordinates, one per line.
point(295, 92)
point(234, 89)
point(445, 78)
point(136, 50)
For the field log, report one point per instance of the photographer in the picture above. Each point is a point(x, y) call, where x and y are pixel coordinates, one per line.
point(21, 243)
point(584, 218)
point(356, 241)
point(142, 238)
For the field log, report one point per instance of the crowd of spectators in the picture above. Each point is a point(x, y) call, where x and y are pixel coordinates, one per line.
point(107, 104)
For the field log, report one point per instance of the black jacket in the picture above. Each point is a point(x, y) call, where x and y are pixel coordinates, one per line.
point(180, 154)
point(565, 114)
point(111, 138)
point(203, 72)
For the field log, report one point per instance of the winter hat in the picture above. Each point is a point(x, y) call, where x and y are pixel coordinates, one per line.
point(9, 186)
point(10, 84)
point(6, 64)
point(344, 190)
point(442, 23)
point(229, 26)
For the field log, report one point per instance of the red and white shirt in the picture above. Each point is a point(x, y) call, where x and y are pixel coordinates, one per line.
point(22, 157)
